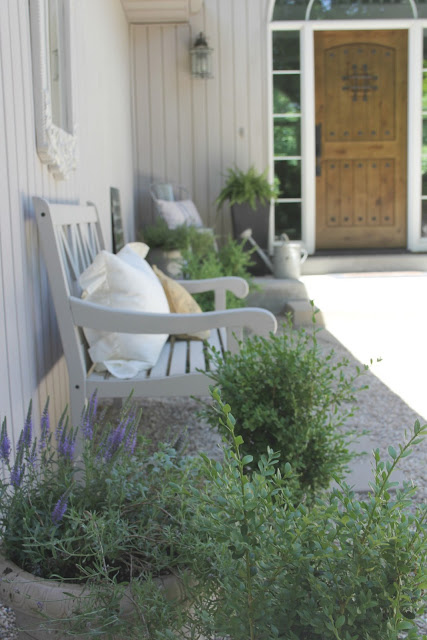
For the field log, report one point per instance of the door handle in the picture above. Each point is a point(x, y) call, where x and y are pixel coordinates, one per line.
point(318, 149)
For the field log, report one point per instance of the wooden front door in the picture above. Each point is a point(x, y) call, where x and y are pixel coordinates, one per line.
point(361, 137)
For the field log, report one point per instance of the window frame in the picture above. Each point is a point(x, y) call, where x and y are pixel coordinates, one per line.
point(56, 146)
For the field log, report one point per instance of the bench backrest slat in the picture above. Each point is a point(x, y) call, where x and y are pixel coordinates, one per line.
point(71, 237)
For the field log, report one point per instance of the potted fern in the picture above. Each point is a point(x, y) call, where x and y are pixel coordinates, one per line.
point(249, 194)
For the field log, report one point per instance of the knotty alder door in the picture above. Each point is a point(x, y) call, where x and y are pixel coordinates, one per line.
point(361, 102)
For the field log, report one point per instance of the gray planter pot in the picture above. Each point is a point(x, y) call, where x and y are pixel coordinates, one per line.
point(244, 217)
point(32, 599)
point(170, 262)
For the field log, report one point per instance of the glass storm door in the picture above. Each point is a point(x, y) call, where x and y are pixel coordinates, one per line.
point(361, 138)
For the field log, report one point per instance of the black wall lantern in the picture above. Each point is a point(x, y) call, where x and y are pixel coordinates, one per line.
point(201, 58)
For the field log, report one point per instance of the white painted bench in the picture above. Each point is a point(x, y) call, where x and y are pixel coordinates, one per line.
point(70, 237)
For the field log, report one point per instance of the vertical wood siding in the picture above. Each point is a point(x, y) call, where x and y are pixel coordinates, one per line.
point(191, 130)
point(31, 361)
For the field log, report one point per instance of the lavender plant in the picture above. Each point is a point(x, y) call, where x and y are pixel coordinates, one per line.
point(103, 518)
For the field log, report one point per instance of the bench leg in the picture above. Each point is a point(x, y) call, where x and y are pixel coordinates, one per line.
point(77, 402)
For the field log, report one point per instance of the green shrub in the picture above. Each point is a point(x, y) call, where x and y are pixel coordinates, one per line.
point(159, 236)
point(204, 261)
point(292, 398)
point(201, 258)
point(265, 567)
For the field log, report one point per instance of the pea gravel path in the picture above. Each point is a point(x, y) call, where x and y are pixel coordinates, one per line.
point(383, 413)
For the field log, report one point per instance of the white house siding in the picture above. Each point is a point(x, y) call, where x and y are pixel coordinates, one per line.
point(31, 361)
point(189, 130)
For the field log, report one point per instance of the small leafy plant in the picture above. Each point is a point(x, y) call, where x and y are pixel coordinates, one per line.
point(201, 258)
point(160, 236)
point(292, 398)
point(203, 261)
point(343, 568)
point(249, 186)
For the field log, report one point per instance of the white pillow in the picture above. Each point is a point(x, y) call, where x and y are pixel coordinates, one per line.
point(178, 213)
point(123, 281)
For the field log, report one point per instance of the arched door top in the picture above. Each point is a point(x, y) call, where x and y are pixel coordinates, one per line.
point(284, 10)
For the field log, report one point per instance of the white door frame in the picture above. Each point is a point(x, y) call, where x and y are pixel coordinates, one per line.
point(415, 65)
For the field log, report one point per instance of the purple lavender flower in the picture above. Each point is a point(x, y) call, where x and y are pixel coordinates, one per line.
point(116, 438)
point(27, 432)
point(20, 447)
point(130, 442)
point(17, 473)
point(60, 509)
point(5, 447)
point(86, 425)
point(67, 443)
point(89, 416)
point(32, 456)
point(62, 424)
point(114, 441)
point(44, 427)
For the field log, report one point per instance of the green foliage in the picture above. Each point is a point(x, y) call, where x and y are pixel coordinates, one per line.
point(342, 569)
point(104, 519)
point(253, 562)
point(159, 236)
point(292, 398)
point(201, 258)
point(248, 186)
point(204, 261)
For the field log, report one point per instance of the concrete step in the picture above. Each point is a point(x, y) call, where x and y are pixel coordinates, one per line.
point(342, 262)
point(284, 295)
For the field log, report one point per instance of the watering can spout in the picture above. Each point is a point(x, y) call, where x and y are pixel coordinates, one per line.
point(247, 235)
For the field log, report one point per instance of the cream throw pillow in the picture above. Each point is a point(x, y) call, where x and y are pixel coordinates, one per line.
point(178, 213)
point(180, 301)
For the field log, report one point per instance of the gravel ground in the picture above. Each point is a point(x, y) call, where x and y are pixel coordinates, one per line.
point(384, 414)
point(380, 411)
point(7, 624)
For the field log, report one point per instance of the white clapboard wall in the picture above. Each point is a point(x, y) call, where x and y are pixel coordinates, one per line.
point(31, 361)
point(189, 130)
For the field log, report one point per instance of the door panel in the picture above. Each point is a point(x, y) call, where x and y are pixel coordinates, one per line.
point(361, 137)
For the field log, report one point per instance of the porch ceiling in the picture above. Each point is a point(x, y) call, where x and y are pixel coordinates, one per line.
point(160, 11)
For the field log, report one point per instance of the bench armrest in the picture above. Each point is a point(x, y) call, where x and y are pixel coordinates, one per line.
point(94, 316)
point(219, 286)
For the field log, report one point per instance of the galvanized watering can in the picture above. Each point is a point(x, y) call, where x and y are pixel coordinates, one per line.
point(287, 258)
